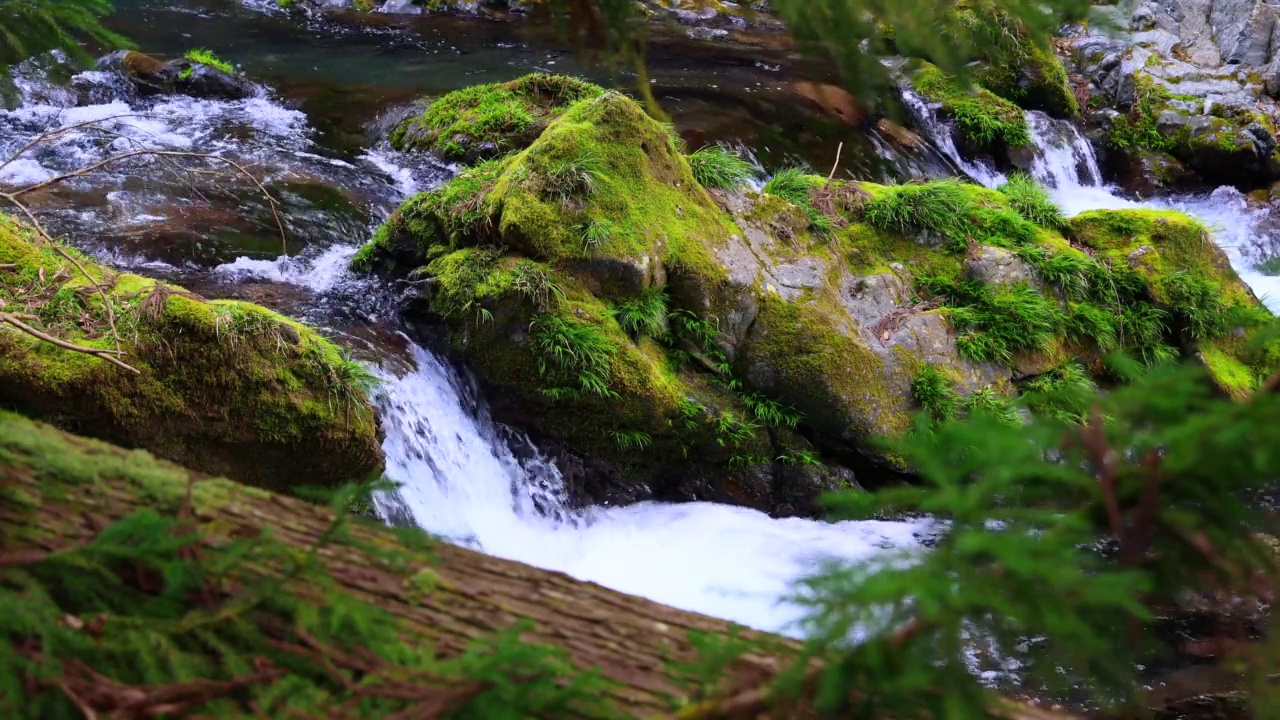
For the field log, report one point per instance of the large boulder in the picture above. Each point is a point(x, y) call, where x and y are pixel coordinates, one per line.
point(223, 387)
point(672, 341)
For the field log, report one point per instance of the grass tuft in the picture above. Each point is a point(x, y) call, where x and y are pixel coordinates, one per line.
point(719, 167)
point(645, 316)
point(574, 351)
point(1030, 200)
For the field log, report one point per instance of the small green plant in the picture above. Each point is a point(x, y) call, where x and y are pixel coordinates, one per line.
point(645, 316)
point(205, 57)
point(631, 440)
point(732, 431)
point(1063, 393)
point(1142, 330)
point(715, 166)
point(803, 458)
point(986, 401)
point(1032, 201)
point(534, 282)
point(771, 412)
point(595, 233)
point(935, 393)
point(567, 179)
point(576, 351)
point(794, 185)
point(673, 134)
point(1073, 273)
point(948, 210)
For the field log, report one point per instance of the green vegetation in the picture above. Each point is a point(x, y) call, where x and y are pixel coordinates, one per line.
point(1031, 201)
point(1019, 556)
point(644, 316)
point(572, 353)
point(935, 393)
point(32, 27)
point(224, 386)
point(207, 58)
point(952, 211)
point(487, 120)
point(996, 322)
point(719, 167)
point(798, 188)
point(985, 119)
point(1014, 64)
point(167, 615)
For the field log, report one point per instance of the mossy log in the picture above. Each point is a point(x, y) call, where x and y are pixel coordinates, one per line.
point(59, 491)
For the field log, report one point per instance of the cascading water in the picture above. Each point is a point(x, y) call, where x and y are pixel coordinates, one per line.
point(1065, 163)
point(462, 480)
point(938, 132)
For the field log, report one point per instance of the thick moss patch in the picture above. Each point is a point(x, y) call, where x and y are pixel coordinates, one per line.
point(487, 120)
point(986, 120)
point(225, 387)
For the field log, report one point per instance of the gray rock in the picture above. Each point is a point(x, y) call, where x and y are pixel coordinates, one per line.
point(400, 7)
point(997, 266)
point(1242, 30)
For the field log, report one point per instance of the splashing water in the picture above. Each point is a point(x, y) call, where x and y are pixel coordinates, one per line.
point(461, 480)
point(1065, 162)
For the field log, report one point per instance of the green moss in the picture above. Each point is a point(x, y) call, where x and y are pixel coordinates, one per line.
point(225, 386)
point(486, 120)
point(1222, 358)
point(206, 57)
point(985, 119)
point(1015, 66)
point(948, 212)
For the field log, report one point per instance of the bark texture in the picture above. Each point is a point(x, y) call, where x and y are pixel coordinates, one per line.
point(59, 490)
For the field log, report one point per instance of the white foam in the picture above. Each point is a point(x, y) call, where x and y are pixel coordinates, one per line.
point(319, 273)
point(462, 482)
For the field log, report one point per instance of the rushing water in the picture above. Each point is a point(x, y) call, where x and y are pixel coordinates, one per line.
point(463, 476)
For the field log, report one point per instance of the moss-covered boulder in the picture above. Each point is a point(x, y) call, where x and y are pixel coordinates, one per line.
point(986, 122)
point(1013, 64)
point(1205, 304)
point(677, 342)
point(486, 120)
point(223, 387)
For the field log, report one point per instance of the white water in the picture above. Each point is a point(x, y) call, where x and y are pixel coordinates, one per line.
point(461, 481)
point(1065, 163)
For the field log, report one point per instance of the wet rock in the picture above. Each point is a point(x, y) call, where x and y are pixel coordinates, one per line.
point(1150, 172)
point(149, 75)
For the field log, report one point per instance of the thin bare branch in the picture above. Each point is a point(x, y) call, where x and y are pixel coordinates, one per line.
point(108, 355)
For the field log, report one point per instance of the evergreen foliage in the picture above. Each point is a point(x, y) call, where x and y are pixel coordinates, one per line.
point(1055, 540)
point(149, 620)
point(33, 27)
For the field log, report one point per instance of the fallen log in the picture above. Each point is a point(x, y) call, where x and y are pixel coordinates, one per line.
point(59, 491)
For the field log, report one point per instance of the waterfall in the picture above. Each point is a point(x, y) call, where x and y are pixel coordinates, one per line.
point(1063, 156)
point(939, 133)
point(474, 482)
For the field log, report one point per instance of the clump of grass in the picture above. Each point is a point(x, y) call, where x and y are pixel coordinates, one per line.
point(208, 59)
point(719, 167)
point(797, 187)
point(1142, 330)
point(673, 134)
point(631, 440)
point(1073, 273)
point(1030, 200)
point(935, 394)
point(566, 179)
point(988, 402)
point(644, 316)
point(732, 431)
point(947, 210)
point(985, 118)
point(1090, 323)
point(996, 322)
point(534, 282)
point(771, 412)
point(577, 351)
point(595, 233)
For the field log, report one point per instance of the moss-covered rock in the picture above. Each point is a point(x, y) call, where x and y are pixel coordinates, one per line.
point(224, 387)
point(487, 120)
point(1208, 308)
point(1013, 65)
point(986, 121)
point(666, 340)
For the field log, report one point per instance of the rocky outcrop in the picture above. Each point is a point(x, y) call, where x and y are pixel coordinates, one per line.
point(688, 343)
point(224, 387)
point(1195, 81)
point(149, 75)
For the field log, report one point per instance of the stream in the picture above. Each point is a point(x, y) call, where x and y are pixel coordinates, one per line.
point(309, 131)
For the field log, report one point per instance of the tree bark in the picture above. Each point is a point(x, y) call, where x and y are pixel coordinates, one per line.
point(59, 490)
